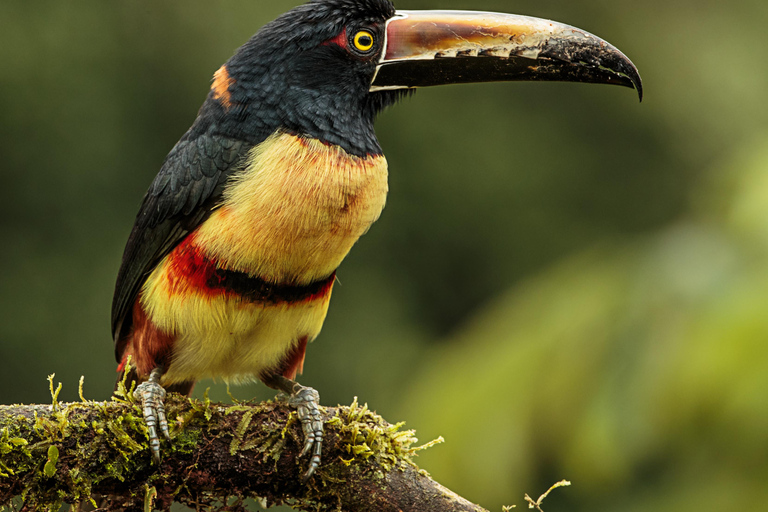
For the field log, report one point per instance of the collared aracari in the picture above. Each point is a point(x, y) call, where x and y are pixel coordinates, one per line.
point(229, 267)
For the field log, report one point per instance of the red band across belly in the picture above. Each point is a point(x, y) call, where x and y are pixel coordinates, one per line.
point(190, 268)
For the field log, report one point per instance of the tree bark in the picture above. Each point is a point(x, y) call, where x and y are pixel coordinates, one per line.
point(219, 456)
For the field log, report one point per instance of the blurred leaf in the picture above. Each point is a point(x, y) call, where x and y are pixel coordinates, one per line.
point(624, 369)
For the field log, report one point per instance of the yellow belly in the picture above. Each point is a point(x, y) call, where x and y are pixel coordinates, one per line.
point(290, 217)
point(224, 338)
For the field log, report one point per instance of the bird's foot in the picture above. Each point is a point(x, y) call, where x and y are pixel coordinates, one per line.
point(152, 397)
point(307, 403)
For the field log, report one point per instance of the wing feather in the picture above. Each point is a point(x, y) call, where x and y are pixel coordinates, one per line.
point(184, 193)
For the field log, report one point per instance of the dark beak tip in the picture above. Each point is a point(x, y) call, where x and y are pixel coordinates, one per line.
point(639, 89)
point(634, 77)
point(637, 84)
point(620, 64)
point(628, 72)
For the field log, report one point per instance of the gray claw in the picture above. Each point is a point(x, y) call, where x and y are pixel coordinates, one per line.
point(307, 403)
point(152, 395)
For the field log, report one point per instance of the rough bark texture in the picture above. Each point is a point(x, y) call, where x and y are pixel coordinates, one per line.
point(219, 456)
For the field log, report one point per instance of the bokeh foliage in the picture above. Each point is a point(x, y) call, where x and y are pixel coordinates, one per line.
point(564, 283)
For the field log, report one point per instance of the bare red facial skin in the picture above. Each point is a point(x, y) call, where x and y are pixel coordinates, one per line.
point(339, 40)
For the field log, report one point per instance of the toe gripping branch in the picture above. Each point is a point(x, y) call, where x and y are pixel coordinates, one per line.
point(152, 397)
point(307, 403)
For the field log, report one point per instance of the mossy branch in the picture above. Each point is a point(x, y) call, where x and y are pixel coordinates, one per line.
point(220, 455)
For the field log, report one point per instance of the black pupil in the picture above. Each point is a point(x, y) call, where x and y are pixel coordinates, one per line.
point(366, 40)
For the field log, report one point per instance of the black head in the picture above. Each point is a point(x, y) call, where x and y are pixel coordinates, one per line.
point(309, 72)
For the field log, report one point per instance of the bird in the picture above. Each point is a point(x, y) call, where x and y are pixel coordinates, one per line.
point(229, 267)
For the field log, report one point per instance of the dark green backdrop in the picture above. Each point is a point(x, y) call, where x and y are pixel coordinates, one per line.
point(564, 284)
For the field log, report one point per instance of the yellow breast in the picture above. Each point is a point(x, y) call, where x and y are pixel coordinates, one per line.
point(294, 212)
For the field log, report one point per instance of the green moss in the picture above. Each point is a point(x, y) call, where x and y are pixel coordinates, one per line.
point(53, 457)
point(149, 498)
point(367, 435)
point(71, 449)
point(77, 445)
point(13, 452)
point(240, 431)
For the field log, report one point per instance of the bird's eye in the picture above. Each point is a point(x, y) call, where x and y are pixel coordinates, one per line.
point(363, 41)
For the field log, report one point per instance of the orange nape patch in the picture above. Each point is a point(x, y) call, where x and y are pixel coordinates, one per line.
point(148, 346)
point(220, 86)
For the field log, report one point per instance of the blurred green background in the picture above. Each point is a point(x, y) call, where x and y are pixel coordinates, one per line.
point(564, 284)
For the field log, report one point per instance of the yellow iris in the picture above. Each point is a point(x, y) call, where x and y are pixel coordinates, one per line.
point(363, 41)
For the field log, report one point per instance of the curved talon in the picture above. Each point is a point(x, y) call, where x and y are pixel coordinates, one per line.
point(307, 403)
point(152, 395)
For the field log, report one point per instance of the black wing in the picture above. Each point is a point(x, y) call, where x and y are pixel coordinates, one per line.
point(185, 192)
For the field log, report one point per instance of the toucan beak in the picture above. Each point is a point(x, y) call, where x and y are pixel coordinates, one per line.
point(425, 48)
